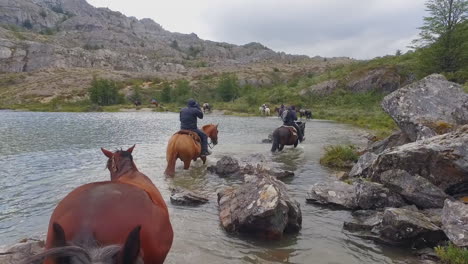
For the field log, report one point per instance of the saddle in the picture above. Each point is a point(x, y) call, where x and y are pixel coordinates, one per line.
point(291, 129)
point(192, 134)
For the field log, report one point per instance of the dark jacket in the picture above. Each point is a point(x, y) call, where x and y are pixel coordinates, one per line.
point(189, 115)
point(290, 117)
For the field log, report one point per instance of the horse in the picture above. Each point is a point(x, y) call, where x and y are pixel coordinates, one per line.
point(137, 103)
point(206, 108)
point(264, 110)
point(154, 102)
point(305, 112)
point(267, 111)
point(124, 220)
point(286, 135)
point(186, 146)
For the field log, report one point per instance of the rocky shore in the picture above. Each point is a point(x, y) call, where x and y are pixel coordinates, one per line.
point(410, 189)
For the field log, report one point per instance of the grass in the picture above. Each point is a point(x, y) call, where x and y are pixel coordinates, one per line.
point(339, 156)
point(452, 254)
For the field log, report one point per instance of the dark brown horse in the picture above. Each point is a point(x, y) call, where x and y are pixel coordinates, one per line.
point(286, 136)
point(185, 145)
point(122, 221)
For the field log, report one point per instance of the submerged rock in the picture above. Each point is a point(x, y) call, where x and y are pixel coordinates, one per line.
point(455, 222)
point(261, 206)
point(414, 188)
point(428, 107)
point(185, 197)
point(21, 251)
point(359, 195)
point(226, 166)
point(363, 220)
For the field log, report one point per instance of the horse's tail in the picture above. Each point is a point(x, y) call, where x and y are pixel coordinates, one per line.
point(171, 157)
point(275, 144)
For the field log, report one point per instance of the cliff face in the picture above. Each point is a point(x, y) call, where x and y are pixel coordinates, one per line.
point(38, 34)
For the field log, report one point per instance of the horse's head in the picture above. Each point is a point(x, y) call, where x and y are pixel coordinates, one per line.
point(212, 132)
point(88, 252)
point(301, 126)
point(119, 162)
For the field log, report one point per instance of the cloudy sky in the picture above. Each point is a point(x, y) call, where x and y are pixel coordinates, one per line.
point(359, 29)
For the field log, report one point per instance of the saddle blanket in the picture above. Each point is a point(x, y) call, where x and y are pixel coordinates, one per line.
point(192, 134)
point(292, 129)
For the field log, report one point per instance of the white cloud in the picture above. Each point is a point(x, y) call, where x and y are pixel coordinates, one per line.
point(353, 28)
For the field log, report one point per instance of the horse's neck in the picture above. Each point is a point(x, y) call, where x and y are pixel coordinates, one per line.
point(128, 168)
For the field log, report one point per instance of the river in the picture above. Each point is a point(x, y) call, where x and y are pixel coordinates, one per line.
point(43, 156)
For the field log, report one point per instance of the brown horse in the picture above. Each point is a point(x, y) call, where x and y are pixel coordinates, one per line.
point(122, 221)
point(286, 135)
point(186, 146)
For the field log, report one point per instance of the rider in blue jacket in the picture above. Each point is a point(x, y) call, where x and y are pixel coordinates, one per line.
point(290, 119)
point(188, 121)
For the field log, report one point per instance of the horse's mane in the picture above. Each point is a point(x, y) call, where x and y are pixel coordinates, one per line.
point(82, 255)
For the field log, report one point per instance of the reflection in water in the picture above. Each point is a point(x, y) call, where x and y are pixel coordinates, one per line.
point(45, 155)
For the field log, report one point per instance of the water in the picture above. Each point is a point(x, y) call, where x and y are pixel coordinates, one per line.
point(43, 156)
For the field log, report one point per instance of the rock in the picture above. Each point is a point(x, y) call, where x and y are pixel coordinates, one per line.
point(323, 88)
point(442, 160)
point(21, 251)
point(384, 80)
point(414, 188)
point(363, 220)
point(335, 193)
point(428, 107)
point(363, 165)
point(261, 206)
point(185, 197)
point(455, 222)
point(269, 139)
point(394, 140)
point(409, 227)
point(226, 166)
point(341, 175)
point(371, 195)
point(434, 214)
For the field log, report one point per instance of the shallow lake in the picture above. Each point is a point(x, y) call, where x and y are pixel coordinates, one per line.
point(43, 156)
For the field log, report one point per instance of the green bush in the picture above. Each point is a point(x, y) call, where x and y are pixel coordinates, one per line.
point(27, 24)
point(105, 92)
point(452, 254)
point(339, 156)
point(228, 88)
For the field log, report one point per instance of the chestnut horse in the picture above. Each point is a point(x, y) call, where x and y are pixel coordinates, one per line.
point(123, 221)
point(186, 146)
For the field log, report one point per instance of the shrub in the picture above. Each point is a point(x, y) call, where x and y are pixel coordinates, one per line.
point(228, 88)
point(452, 254)
point(104, 92)
point(339, 156)
point(27, 24)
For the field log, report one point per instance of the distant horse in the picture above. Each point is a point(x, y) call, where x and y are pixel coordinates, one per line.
point(154, 102)
point(124, 220)
point(186, 146)
point(206, 108)
point(286, 135)
point(137, 103)
point(264, 110)
point(305, 112)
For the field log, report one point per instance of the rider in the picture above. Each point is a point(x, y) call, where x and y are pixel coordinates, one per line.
point(289, 121)
point(188, 121)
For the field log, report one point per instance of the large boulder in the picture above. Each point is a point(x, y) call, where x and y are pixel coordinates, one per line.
point(384, 80)
point(21, 251)
point(455, 222)
point(402, 226)
point(394, 140)
point(371, 195)
point(323, 88)
point(261, 206)
point(442, 160)
point(414, 188)
point(428, 107)
point(363, 165)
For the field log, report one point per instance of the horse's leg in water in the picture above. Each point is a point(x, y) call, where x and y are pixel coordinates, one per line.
point(281, 147)
point(203, 158)
point(187, 164)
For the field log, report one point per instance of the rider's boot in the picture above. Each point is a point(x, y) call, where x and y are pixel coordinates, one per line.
point(205, 153)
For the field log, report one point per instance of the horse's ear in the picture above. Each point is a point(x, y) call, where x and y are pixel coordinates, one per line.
point(217, 126)
point(131, 149)
point(59, 235)
point(108, 153)
point(131, 249)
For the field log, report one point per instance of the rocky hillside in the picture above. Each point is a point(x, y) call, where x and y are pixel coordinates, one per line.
point(38, 34)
